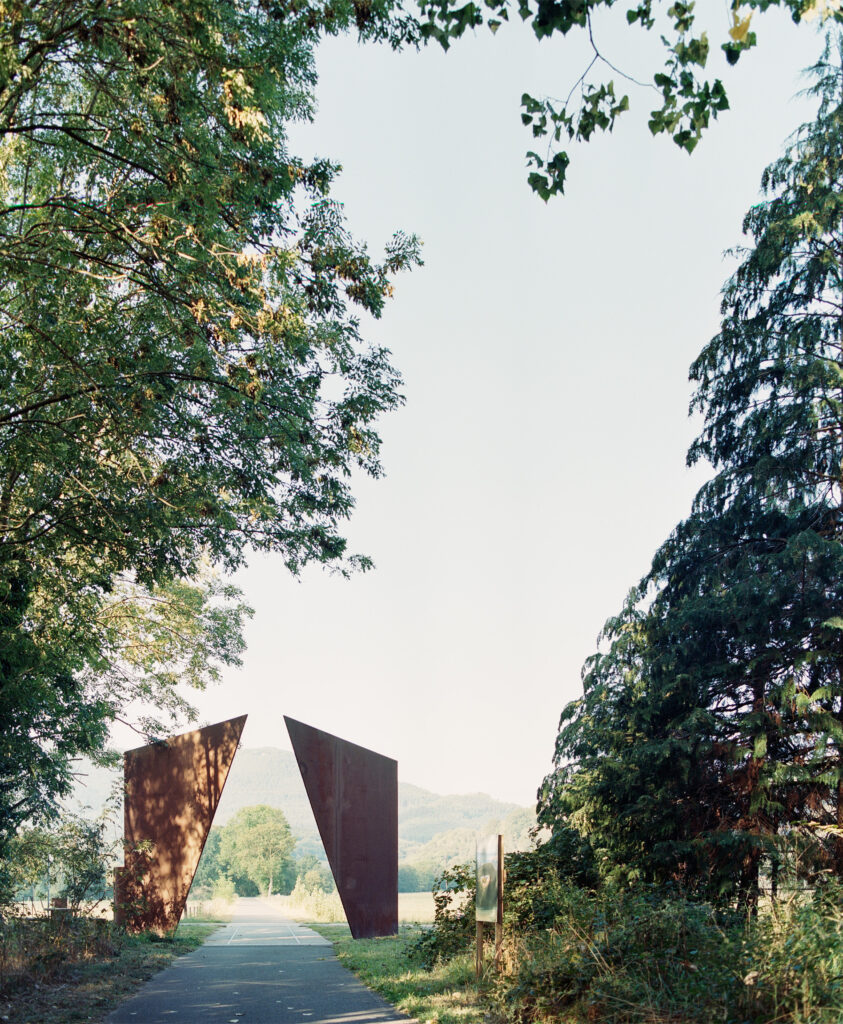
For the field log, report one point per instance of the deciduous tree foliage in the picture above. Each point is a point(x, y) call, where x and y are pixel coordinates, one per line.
point(69, 669)
point(172, 323)
point(713, 724)
point(257, 843)
point(69, 859)
point(687, 99)
point(182, 374)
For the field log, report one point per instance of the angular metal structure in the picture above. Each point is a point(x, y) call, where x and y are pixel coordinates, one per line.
point(354, 795)
point(172, 790)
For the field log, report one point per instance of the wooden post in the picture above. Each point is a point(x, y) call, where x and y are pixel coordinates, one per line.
point(478, 955)
point(499, 922)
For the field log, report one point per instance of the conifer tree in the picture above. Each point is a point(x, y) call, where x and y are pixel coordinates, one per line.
point(728, 729)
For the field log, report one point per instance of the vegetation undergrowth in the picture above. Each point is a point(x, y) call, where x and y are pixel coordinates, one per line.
point(652, 957)
point(313, 905)
point(446, 994)
point(81, 970)
point(645, 954)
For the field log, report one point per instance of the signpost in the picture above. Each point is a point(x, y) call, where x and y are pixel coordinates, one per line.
point(489, 898)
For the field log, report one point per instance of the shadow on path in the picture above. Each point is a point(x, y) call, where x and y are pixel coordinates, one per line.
point(261, 969)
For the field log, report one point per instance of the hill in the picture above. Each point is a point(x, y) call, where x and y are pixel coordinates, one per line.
point(267, 775)
point(423, 815)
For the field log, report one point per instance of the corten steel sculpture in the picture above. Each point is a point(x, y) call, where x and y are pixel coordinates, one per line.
point(354, 795)
point(172, 790)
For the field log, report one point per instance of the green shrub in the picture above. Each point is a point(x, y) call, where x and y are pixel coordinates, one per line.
point(224, 889)
point(646, 956)
point(534, 892)
point(317, 878)
point(668, 956)
point(317, 904)
point(619, 956)
point(453, 927)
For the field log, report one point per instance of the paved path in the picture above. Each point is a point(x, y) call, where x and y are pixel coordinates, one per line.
point(260, 969)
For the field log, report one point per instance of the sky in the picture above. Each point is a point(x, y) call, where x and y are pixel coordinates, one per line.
point(539, 460)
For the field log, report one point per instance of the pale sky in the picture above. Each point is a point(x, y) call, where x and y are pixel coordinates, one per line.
point(540, 458)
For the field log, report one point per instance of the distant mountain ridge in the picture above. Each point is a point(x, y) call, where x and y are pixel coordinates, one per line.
point(268, 775)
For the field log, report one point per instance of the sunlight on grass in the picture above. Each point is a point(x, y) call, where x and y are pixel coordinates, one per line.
point(207, 911)
point(446, 995)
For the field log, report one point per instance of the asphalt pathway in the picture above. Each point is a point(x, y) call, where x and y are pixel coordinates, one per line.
point(262, 968)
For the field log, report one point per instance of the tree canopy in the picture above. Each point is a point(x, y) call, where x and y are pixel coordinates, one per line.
point(182, 373)
point(173, 318)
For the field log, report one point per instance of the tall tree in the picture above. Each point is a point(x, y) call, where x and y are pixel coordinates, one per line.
point(257, 843)
point(182, 374)
point(723, 710)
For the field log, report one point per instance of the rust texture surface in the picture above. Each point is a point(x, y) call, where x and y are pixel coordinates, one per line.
point(172, 790)
point(354, 795)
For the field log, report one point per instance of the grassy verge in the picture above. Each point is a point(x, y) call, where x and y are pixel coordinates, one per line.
point(446, 995)
point(71, 986)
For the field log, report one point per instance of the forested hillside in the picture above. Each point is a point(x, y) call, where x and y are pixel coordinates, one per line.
point(434, 830)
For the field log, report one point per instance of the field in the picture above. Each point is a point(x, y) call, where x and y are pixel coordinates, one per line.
point(413, 908)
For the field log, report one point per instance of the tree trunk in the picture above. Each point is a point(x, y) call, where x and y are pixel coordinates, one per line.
point(838, 839)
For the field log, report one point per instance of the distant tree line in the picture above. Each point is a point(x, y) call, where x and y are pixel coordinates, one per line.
point(421, 866)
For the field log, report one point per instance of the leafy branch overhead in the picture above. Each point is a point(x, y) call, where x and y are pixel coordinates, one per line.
point(183, 375)
point(687, 101)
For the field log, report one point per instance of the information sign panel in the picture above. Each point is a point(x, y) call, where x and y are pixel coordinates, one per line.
point(488, 873)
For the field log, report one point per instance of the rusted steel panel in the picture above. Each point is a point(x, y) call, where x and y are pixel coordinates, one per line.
point(354, 795)
point(172, 790)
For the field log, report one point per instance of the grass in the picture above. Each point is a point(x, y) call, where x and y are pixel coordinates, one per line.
point(446, 995)
point(54, 980)
point(306, 907)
